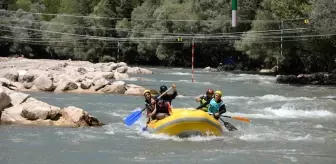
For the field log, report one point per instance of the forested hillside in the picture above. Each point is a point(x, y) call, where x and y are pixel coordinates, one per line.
point(297, 35)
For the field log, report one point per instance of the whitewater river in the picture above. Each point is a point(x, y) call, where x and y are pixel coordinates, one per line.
point(290, 124)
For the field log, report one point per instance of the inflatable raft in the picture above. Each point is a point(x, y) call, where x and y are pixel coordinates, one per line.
point(186, 122)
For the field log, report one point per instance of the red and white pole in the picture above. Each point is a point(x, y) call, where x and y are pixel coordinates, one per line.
point(192, 59)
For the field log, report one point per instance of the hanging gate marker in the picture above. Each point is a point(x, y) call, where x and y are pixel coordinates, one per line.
point(234, 13)
point(192, 60)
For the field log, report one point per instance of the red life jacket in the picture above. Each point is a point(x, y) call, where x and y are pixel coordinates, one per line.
point(165, 108)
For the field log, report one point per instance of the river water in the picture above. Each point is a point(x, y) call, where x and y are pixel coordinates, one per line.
point(290, 124)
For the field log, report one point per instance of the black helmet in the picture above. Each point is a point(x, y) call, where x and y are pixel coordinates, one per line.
point(163, 88)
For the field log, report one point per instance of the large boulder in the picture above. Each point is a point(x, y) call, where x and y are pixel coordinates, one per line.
point(34, 109)
point(122, 69)
point(20, 108)
point(138, 70)
point(79, 117)
point(12, 115)
point(120, 76)
point(18, 98)
point(11, 75)
point(44, 83)
point(86, 84)
point(133, 89)
point(121, 64)
point(99, 82)
point(66, 85)
point(25, 76)
point(114, 89)
point(5, 99)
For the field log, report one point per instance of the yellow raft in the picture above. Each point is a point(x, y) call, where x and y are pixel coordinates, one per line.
point(185, 122)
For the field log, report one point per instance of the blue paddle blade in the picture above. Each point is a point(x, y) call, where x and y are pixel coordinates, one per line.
point(133, 117)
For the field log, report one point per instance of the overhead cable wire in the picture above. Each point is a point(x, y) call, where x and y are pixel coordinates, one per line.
point(147, 19)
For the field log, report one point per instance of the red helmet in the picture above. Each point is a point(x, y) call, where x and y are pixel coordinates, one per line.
point(210, 91)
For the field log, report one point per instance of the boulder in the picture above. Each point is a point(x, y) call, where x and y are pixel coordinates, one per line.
point(44, 83)
point(99, 82)
point(27, 85)
point(79, 117)
point(108, 75)
point(18, 98)
point(138, 70)
point(12, 115)
point(122, 69)
point(34, 109)
point(81, 70)
point(135, 91)
point(25, 76)
point(120, 76)
point(11, 75)
point(86, 84)
point(114, 89)
point(121, 64)
point(66, 85)
point(5, 99)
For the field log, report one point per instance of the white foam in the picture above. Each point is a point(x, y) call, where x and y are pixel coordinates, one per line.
point(179, 73)
point(271, 135)
point(293, 113)
point(293, 159)
point(318, 126)
point(330, 97)
point(175, 138)
point(243, 77)
point(269, 97)
point(114, 128)
point(283, 98)
point(188, 81)
point(117, 114)
point(286, 112)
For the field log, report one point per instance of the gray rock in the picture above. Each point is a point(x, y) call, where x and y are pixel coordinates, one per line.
point(44, 83)
point(5, 99)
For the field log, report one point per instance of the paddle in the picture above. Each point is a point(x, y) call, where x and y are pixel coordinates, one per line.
point(133, 117)
point(136, 115)
point(228, 125)
point(243, 119)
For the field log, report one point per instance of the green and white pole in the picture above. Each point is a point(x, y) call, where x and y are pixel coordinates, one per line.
point(234, 13)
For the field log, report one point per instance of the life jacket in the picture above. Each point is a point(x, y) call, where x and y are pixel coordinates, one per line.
point(214, 106)
point(165, 108)
point(150, 106)
point(203, 101)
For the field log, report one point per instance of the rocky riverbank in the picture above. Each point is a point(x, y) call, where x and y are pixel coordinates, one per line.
point(310, 79)
point(20, 108)
point(23, 74)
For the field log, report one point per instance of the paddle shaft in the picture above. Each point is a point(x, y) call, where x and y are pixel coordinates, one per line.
point(164, 92)
point(243, 119)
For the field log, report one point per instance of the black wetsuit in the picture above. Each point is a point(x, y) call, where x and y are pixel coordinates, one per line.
point(167, 97)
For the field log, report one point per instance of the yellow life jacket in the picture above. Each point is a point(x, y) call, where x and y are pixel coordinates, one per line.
point(203, 101)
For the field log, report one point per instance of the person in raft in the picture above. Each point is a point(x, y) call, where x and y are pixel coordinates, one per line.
point(217, 106)
point(149, 102)
point(167, 97)
point(162, 110)
point(205, 100)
